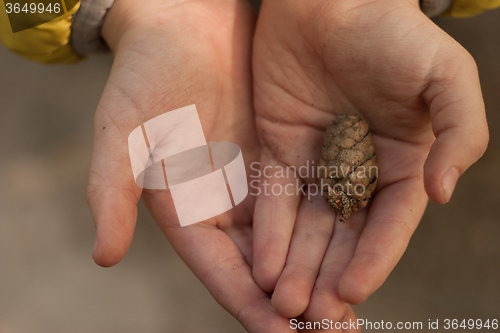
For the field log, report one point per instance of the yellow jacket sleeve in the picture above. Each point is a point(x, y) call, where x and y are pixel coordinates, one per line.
point(466, 8)
point(47, 42)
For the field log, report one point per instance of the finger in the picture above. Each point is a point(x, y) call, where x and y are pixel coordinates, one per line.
point(325, 299)
point(458, 122)
point(216, 260)
point(274, 218)
point(112, 194)
point(312, 233)
point(347, 324)
point(349, 321)
point(393, 217)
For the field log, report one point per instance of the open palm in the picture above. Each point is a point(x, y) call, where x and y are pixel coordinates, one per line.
point(419, 91)
point(195, 52)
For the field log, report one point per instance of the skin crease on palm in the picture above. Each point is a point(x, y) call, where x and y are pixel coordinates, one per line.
point(419, 91)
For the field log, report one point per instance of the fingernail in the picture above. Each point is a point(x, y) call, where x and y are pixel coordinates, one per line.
point(450, 179)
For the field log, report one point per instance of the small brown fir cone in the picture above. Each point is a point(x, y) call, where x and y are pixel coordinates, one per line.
point(347, 169)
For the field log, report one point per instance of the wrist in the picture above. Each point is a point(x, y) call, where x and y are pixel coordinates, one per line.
point(136, 17)
point(118, 20)
point(171, 18)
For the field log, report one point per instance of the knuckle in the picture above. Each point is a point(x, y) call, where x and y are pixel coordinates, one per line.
point(479, 143)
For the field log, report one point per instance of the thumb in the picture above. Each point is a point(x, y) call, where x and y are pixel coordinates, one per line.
point(458, 122)
point(112, 194)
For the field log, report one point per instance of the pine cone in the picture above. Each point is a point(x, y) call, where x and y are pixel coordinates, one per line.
point(347, 170)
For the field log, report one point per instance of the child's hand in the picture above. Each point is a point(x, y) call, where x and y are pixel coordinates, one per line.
point(419, 91)
point(171, 54)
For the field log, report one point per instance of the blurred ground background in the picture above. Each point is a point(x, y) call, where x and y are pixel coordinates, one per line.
point(50, 284)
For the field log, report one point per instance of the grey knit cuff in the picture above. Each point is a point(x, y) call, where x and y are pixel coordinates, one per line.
point(433, 8)
point(86, 27)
